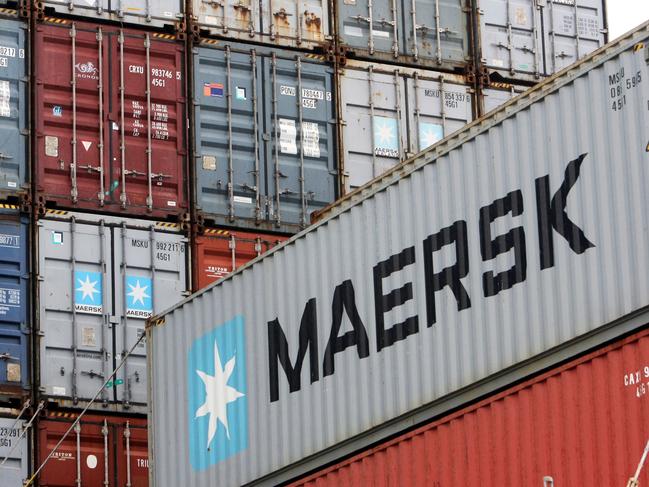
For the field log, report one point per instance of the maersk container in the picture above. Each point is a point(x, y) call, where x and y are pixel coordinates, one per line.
point(14, 96)
point(100, 278)
point(423, 33)
point(303, 25)
point(497, 94)
point(168, 14)
point(583, 423)
point(15, 317)
point(265, 143)
point(110, 120)
point(492, 254)
point(14, 452)
point(389, 113)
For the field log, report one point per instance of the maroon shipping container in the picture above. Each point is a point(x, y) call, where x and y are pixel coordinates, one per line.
point(218, 252)
point(110, 118)
point(584, 423)
point(103, 450)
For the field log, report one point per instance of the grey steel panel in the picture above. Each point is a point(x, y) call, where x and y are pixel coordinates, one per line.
point(154, 13)
point(492, 98)
point(16, 469)
point(558, 173)
point(13, 107)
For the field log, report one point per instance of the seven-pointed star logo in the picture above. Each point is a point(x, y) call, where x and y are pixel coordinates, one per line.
point(138, 293)
point(385, 134)
point(218, 394)
point(87, 288)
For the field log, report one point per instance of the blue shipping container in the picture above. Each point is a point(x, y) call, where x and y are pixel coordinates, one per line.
point(14, 94)
point(14, 304)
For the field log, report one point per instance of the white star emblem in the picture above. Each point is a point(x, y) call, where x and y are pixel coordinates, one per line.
point(87, 288)
point(385, 133)
point(429, 137)
point(218, 394)
point(138, 293)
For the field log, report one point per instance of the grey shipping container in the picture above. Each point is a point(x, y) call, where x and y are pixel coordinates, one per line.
point(265, 144)
point(498, 94)
point(289, 23)
point(14, 442)
point(389, 113)
point(514, 239)
point(159, 13)
point(100, 278)
point(14, 93)
point(525, 40)
point(426, 33)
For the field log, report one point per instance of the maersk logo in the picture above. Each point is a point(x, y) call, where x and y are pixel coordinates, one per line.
point(138, 297)
point(218, 404)
point(87, 292)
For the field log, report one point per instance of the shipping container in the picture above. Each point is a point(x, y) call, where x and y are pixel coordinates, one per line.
point(525, 40)
point(303, 25)
point(497, 94)
point(14, 111)
point(100, 278)
point(161, 14)
point(14, 441)
point(422, 33)
point(389, 113)
point(110, 120)
point(265, 143)
point(217, 252)
point(102, 450)
point(15, 315)
point(520, 236)
point(583, 423)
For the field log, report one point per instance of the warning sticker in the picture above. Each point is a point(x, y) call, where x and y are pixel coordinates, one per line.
point(5, 99)
point(287, 136)
point(310, 139)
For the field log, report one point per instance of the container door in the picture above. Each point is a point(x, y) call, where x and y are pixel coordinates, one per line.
point(296, 23)
point(147, 123)
point(436, 108)
point(157, 12)
point(574, 29)
point(303, 149)
point(229, 170)
point(435, 29)
point(238, 19)
point(132, 453)
point(14, 449)
point(374, 128)
point(510, 37)
point(75, 293)
point(14, 303)
point(149, 277)
point(370, 26)
point(13, 107)
point(86, 8)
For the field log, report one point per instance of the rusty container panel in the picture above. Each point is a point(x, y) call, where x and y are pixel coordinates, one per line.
point(218, 252)
point(100, 147)
point(584, 423)
point(102, 450)
point(498, 94)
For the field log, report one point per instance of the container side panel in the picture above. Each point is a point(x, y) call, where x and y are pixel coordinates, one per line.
point(494, 97)
point(15, 450)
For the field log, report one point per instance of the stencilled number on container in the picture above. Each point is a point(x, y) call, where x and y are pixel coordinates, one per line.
point(638, 381)
point(7, 51)
point(4, 62)
point(287, 90)
point(160, 77)
point(619, 84)
point(6, 436)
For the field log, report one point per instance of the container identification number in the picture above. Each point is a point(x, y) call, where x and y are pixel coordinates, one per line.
point(7, 51)
point(619, 84)
point(639, 380)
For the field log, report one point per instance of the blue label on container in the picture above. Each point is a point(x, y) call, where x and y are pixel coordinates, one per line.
point(139, 302)
point(88, 292)
point(386, 137)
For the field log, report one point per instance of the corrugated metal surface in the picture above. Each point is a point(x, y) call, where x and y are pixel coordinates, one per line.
point(13, 447)
point(161, 13)
point(515, 236)
point(582, 424)
point(101, 148)
point(281, 101)
point(90, 266)
point(389, 113)
point(14, 95)
point(106, 450)
point(431, 33)
point(289, 23)
point(218, 252)
point(498, 94)
point(15, 322)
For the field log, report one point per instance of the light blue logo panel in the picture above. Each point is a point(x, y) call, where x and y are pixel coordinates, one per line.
point(386, 137)
point(218, 403)
point(429, 133)
point(88, 296)
point(139, 301)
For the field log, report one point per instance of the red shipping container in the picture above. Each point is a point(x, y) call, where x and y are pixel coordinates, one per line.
point(110, 449)
point(219, 252)
point(101, 147)
point(583, 424)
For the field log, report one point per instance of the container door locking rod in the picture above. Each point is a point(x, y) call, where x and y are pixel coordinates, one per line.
point(633, 481)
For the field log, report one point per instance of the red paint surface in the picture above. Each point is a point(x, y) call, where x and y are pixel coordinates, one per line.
point(583, 424)
point(54, 119)
point(61, 469)
point(215, 250)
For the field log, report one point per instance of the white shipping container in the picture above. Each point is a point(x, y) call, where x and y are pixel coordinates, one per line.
point(517, 237)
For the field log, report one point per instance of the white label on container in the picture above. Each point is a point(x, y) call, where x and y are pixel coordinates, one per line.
point(91, 461)
point(5, 99)
point(498, 63)
point(168, 14)
point(13, 372)
point(240, 93)
point(86, 144)
point(58, 391)
point(51, 146)
point(242, 199)
point(7, 51)
point(171, 203)
point(209, 163)
point(12, 241)
point(12, 184)
point(9, 298)
point(309, 103)
point(309, 93)
point(351, 30)
point(310, 139)
point(287, 136)
point(4, 62)
point(210, 19)
point(88, 337)
point(380, 33)
point(287, 90)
